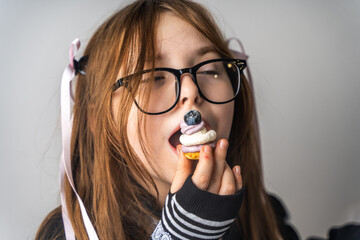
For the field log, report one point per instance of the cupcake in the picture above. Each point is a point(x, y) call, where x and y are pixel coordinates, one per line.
point(194, 135)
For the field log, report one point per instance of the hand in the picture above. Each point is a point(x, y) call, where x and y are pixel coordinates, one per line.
point(211, 174)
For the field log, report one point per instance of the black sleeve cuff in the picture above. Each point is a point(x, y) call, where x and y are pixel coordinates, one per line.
point(208, 205)
point(192, 213)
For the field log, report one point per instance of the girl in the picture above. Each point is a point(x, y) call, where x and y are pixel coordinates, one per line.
point(143, 69)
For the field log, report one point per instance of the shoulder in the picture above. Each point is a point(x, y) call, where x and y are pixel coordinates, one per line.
point(287, 231)
point(52, 226)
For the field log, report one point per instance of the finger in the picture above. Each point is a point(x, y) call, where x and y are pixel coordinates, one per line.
point(219, 166)
point(238, 178)
point(203, 170)
point(228, 182)
point(183, 170)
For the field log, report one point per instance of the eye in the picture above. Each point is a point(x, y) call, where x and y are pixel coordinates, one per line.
point(210, 73)
point(159, 78)
point(149, 77)
point(210, 70)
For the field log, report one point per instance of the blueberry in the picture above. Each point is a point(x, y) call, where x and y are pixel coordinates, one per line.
point(192, 117)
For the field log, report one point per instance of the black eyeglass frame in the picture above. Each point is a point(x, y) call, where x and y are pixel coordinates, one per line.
point(239, 63)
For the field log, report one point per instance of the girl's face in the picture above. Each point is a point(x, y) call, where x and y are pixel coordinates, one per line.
point(178, 45)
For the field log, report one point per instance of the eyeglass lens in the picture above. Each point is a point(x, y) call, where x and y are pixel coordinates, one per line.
point(157, 91)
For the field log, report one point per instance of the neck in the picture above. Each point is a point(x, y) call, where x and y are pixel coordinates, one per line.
point(163, 188)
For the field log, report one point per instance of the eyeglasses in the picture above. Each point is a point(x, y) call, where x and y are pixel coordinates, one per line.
point(217, 81)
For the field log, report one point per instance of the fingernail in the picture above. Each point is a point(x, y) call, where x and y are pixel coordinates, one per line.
point(237, 170)
point(207, 149)
point(223, 144)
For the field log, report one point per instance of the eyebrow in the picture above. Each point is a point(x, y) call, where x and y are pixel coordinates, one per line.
point(206, 49)
point(198, 53)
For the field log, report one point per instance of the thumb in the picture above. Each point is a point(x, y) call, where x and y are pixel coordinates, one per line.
point(183, 170)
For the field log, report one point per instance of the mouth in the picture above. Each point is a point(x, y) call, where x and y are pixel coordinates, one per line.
point(174, 139)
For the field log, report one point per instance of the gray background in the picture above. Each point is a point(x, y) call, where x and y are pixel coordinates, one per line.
point(304, 57)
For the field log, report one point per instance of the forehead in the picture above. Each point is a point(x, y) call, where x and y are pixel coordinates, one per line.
point(177, 38)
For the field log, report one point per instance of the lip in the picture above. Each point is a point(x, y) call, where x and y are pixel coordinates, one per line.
point(172, 133)
point(207, 125)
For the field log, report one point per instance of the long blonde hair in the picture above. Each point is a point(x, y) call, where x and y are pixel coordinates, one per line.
point(104, 164)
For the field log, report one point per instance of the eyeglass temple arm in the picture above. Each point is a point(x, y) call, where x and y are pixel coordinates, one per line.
point(119, 83)
point(241, 63)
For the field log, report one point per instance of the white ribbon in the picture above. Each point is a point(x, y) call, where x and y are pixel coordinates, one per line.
point(65, 165)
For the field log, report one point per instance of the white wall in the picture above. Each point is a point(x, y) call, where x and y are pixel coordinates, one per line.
point(304, 57)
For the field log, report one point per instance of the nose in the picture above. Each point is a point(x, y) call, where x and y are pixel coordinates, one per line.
point(189, 92)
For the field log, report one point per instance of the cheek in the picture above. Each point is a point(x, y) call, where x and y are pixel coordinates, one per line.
point(225, 118)
point(150, 134)
point(154, 129)
point(229, 112)
point(131, 128)
point(132, 131)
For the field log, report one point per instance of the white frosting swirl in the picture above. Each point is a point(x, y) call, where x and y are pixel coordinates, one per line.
point(201, 137)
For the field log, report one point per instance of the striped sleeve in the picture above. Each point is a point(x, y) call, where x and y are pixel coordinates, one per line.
point(192, 213)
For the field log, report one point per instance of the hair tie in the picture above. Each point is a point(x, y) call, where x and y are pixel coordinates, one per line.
point(80, 65)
